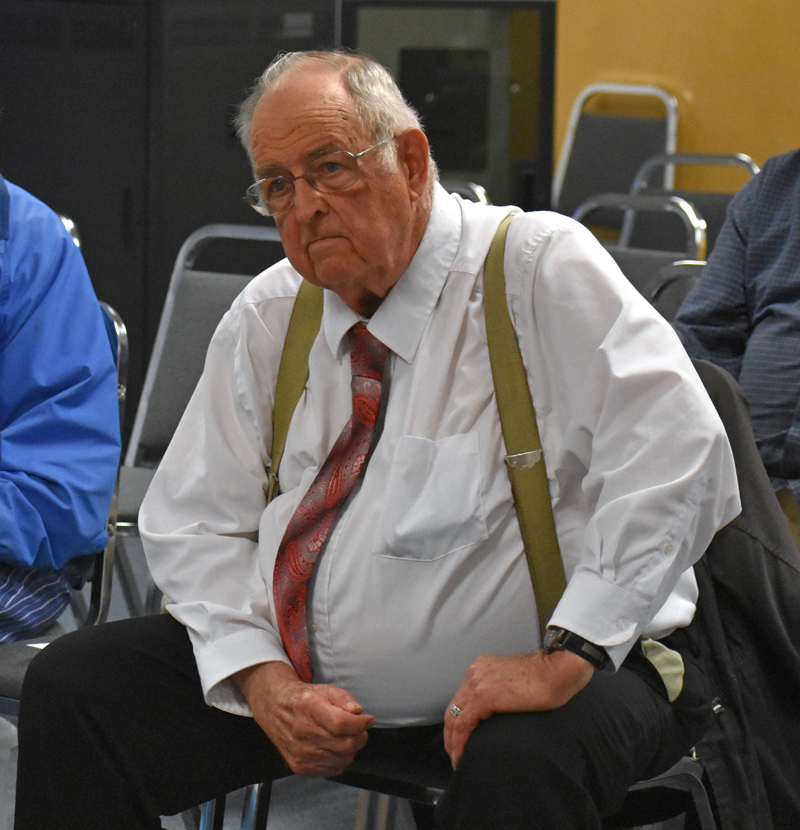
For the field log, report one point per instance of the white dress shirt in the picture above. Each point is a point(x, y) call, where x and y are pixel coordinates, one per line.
point(424, 569)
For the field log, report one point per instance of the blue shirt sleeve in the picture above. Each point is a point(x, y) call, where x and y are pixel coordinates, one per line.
point(59, 416)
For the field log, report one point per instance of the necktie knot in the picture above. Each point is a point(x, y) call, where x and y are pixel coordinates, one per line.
point(367, 353)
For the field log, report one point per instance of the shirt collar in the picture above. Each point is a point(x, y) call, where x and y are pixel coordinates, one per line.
point(404, 313)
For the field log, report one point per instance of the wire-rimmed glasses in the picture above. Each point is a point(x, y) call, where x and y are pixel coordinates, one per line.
point(330, 173)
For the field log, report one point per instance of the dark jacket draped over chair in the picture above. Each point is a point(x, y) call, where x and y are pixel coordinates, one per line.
point(747, 629)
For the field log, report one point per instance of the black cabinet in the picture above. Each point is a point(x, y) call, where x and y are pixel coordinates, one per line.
point(74, 130)
point(119, 114)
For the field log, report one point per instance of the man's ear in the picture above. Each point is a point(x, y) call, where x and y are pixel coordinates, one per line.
point(412, 155)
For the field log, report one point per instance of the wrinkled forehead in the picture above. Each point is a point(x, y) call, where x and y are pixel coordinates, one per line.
point(307, 106)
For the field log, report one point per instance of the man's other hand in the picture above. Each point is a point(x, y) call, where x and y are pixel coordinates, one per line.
point(317, 728)
point(524, 683)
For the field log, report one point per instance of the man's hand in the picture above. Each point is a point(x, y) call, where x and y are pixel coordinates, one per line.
point(317, 728)
point(525, 683)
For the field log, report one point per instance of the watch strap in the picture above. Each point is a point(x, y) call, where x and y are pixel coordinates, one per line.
point(559, 639)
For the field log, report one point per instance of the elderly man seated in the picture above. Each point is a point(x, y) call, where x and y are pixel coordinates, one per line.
point(385, 590)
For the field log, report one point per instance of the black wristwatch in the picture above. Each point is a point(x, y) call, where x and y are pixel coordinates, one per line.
point(559, 639)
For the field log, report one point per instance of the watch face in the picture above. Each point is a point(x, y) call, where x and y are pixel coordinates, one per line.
point(551, 637)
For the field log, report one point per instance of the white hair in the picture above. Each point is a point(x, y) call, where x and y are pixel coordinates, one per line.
point(377, 100)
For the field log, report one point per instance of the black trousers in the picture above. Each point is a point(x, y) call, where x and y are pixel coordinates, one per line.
point(114, 733)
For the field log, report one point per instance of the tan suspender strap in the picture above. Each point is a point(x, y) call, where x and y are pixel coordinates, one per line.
point(293, 371)
point(524, 461)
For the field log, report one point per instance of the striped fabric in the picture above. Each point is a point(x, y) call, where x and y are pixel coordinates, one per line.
point(30, 601)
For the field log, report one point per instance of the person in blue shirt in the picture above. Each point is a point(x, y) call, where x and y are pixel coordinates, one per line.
point(59, 416)
point(744, 315)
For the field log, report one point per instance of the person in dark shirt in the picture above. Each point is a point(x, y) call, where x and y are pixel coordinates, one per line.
point(744, 315)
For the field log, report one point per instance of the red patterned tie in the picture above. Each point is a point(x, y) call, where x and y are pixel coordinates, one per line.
point(308, 528)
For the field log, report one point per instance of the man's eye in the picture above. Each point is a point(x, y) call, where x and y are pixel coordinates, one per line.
point(329, 168)
point(275, 187)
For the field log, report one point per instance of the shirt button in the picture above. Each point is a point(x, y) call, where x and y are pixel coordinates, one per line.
point(668, 549)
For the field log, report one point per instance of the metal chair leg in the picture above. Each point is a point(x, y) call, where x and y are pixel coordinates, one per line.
point(212, 815)
point(256, 806)
point(375, 811)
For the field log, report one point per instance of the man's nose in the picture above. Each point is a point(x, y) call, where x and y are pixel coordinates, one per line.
point(307, 200)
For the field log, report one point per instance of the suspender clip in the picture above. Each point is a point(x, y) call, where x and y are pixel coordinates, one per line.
point(523, 460)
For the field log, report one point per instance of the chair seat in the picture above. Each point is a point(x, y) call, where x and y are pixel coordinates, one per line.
point(420, 779)
point(677, 791)
point(412, 776)
point(14, 661)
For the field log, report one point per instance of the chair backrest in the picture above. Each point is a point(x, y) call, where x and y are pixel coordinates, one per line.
point(195, 303)
point(602, 152)
point(118, 339)
point(666, 160)
point(668, 289)
point(640, 265)
point(467, 190)
point(72, 229)
point(100, 577)
point(662, 206)
point(644, 231)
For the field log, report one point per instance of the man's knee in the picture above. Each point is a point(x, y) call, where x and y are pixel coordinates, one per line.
point(584, 755)
point(100, 663)
point(56, 674)
point(523, 744)
point(516, 767)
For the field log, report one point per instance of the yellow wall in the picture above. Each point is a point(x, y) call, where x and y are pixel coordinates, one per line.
point(733, 65)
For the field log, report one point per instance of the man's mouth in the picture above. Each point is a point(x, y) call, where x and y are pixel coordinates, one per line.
point(321, 242)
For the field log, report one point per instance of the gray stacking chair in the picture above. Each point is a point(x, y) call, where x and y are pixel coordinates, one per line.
point(613, 129)
point(195, 303)
point(644, 231)
point(15, 657)
point(640, 265)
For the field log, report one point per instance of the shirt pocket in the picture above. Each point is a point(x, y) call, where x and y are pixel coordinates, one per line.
point(432, 504)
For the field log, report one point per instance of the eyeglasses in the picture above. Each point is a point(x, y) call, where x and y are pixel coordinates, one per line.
point(328, 174)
